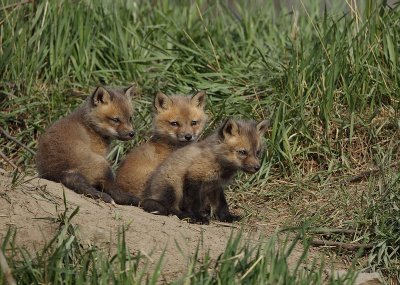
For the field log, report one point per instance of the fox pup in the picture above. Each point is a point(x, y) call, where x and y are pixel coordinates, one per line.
point(178, 121)
point(197, 173)
point(73, 150)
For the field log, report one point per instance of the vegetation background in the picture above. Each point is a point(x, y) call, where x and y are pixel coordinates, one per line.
point(327, 76)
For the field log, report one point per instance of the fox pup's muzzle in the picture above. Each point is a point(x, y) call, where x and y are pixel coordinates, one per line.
point(251, 168)
point(188, 137)
point(126, 136)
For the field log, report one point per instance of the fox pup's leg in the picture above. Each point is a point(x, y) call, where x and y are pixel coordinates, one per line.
point(159, 201)
point(192, 201)
point(154, 207)
point(219, 204)
point(75, 181)
point(162, 202)
point(205, 206)
point(109, 186)
point(187, 215)
point(100, 175)
point(123, 198)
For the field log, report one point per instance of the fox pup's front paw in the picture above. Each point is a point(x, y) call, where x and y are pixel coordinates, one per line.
point(193, 219)
point(102, 196)
point(229, 218)
point(200, 220)
point(130, 200)
point(122, 198)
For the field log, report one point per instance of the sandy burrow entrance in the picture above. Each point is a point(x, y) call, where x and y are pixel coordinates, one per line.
point(31, 203)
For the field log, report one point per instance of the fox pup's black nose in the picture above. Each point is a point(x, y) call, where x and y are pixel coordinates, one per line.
point(257, 167)
point(188, 137)
point(131, 134)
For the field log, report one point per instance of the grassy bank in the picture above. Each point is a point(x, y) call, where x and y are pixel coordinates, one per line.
point(327, 78)
point(66, 260)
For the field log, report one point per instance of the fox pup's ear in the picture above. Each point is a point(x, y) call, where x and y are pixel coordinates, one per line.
point(199, 100)
point(162, 102)
point(262, 127)
point(130, 91)
point(101, 96)
point(229, 128)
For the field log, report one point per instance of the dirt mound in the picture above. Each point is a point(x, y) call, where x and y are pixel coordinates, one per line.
point(32, 204)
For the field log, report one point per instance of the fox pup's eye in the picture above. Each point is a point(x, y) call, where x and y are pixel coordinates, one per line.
point(258, 153)
point(115, 120)
point(242, 152)
point(130, 119)
point(194, 123)
point(174, 123)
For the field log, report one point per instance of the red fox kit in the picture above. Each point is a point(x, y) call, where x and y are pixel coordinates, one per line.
point(178, 120)
point(197, 173)
point(73, 150)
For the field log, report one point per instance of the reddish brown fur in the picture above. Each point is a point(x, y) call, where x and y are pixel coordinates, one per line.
point(74, 149)
point(198, 172)
point(137, 167)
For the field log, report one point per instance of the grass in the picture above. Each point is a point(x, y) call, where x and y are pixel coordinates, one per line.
point(328, 78)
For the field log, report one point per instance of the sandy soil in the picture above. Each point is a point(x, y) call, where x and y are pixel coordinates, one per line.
point(32, 204)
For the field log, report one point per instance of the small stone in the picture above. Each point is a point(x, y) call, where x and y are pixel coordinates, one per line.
point(368, 279)
point(363, 278)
